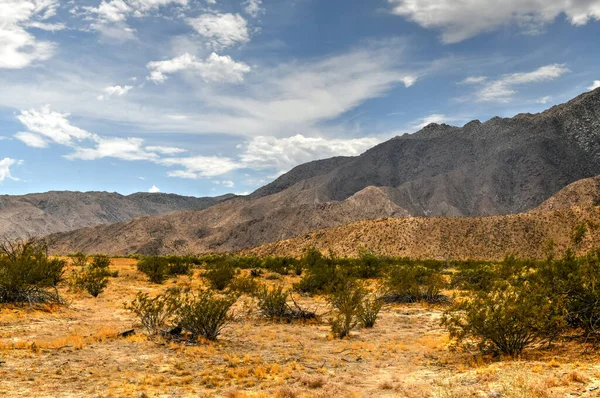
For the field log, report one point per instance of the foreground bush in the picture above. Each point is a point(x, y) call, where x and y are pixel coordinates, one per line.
point(346, 298)
point(412, 283)
point(27, 274)
point(221, 274)
point(155, 267)
point(369, 312)
point(202, 314)
point(321, 273)
point(93, 278)
point(505, 320)
point(273, 302)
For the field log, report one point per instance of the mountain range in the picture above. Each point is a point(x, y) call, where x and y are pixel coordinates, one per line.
point(500, 167)
point(45, 213)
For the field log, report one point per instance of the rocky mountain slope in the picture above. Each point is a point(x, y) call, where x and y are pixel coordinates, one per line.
point(45, 213)
point(502, 166)
point(449, 238)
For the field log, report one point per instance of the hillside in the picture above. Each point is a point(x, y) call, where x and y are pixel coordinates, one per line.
point(453, 238)
point(502, 166)
point(46, 213)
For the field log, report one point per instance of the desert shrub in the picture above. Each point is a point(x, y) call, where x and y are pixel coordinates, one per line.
point(321, 273)
point(156, 313)
point(474, 276)
point(91, 279)
point(410, 284)
point(244, 285)
point(368, 265)
point(256, 272)
point(280, 265)
point(204, 314)
point(346, 298)
point(369, 312)
point(27, 273)
point(180, 266)
point(220, 275)
point(79, 260)
point(273, 302)
point(155, 267)
point(506, 320)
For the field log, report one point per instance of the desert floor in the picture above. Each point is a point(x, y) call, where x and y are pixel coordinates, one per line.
point(74, 350)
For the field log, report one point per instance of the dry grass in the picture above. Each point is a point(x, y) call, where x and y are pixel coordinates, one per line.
point(76, 351)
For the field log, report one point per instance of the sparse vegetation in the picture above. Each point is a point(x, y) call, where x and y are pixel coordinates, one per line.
point(155, 267)
point(220, 274)
point(347, 299)
point(27, 274)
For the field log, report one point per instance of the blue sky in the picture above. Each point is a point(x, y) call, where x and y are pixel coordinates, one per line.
point(205, 97)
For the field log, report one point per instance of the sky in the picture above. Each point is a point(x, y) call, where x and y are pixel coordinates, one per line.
point(207, 97)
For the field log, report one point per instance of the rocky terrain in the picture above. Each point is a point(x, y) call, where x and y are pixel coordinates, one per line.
point(502, 166)
point(46, 213)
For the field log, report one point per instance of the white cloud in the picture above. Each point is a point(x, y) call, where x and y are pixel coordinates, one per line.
point(30, 139)
point(461, 20)
point(427, 120)
point(474, 80)
point(286, 153)
point(594, 85)
point(221, 30)
point(544, 100)
point(110, 17)
point(409, 81)
point(154, 189)
point(503, 89)
point(18, 47)
point(5, 165)
point(117, 91)
point(215, 68)
point(165, 150)
point(253, 7)
point(46, 125)
point(121, 148)
point(226, 183)
point(201, 166)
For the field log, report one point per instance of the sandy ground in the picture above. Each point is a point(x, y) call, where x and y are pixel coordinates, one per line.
point(75, 351)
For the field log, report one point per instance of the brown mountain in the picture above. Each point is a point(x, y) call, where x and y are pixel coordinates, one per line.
point(45, 213)
point(502, 166)
point(582, 193)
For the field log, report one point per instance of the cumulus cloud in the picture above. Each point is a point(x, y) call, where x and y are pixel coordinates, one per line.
point(45, 125)
point(461, 20)
point(215, 68)
point(253, 7)
point(120, 148)
point(201, 166)
point(18, 47)
point(117, 91)
point(5, 165)
point(110, 17)
point(154, 189)
point(285, 153)
point(221, 30)
point(594, 85)
point(503, 89)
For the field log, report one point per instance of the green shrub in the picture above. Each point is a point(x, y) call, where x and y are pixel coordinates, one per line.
point(27, 274)
point(220, 275)
point(79, 260)
point(505, 320)
point(410, 284)
point(369, 312)
point(475, 276)
point(93, 280)
point(273, 302)
point(156, 313)
point(321, 273)
point(180, 266)
point(244, 285)
point(369, 265)
point(346, 298)
point(155, 267)
point(204, 314)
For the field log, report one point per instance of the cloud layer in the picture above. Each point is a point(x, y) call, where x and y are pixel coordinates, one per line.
point(461, 20)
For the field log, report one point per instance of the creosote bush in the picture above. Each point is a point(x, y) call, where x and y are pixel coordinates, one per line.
point(93, 278)
point(27, 274)
point(199, 314)
point(155, 267)
point(369, 312)
point(346, 297)
point(273, 302)
point(409, 284)
point(221, 274)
